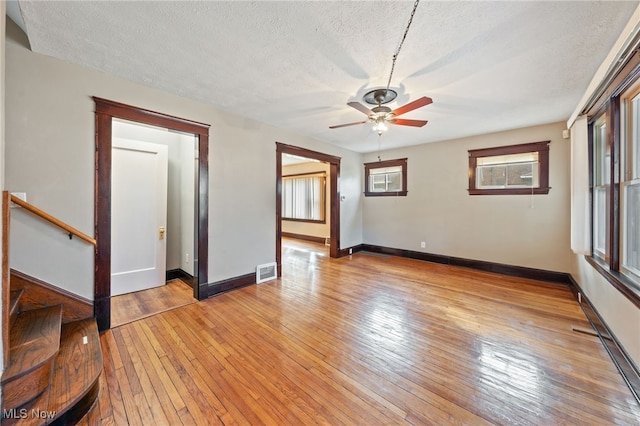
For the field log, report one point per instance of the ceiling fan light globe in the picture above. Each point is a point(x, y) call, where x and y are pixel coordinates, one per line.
point(380, 126)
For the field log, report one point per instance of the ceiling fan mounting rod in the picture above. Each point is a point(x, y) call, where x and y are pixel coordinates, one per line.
point(395, 56)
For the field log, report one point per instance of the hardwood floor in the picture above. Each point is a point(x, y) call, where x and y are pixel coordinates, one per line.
point(365, 340)
point(140, 304)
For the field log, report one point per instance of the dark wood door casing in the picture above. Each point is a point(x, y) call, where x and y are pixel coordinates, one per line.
point(105, 111)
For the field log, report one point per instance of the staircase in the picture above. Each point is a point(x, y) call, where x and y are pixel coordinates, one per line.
point(53, 372)
point(52, 354)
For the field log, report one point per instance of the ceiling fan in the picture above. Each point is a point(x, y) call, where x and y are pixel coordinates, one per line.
point(382, 115)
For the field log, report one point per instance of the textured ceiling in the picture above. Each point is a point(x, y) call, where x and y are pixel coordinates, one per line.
point(488, 66)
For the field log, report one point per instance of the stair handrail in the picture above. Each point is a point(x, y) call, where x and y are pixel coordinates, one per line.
point(57, 222)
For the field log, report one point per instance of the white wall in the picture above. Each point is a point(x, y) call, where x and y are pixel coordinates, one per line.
point(621, 316)
point(322, 230)
point(50, 155)
point(522, 230)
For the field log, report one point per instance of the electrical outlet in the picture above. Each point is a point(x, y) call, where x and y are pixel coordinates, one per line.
point(423, 244)
point(186, 257)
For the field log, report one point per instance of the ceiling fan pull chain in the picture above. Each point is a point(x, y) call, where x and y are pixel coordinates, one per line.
point(393, 62)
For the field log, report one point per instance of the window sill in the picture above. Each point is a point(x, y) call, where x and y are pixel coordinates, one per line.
point(510, 191)
point(622, 283)
point(386, 194)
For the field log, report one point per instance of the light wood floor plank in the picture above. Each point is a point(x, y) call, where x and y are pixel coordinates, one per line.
point(178, 368)
point(365, 340)
point(134, 306)
point(114, 397)
point(168, 397)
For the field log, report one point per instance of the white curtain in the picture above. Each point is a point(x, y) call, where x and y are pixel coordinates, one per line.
point(580, 208)
point(302, 198)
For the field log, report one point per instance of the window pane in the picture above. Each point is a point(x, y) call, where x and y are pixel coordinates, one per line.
point(600, 181)
point(517, 175)
point(491, 176)
point(378, 183)
point(630, 192)
point(631, 257)
point(508, 171)
point(394, 182)
point(524, 174)
point(632, 152)
point(601, 163)
point(599, 222)
point(385, 179)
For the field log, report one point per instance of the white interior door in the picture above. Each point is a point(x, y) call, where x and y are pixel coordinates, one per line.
point(138, 215)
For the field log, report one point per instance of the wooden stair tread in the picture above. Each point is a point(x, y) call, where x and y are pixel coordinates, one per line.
point(77, 367)
point(75, 384)
point(34, 339)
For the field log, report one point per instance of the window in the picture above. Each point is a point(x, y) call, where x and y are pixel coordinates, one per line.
point(614, 140)
point(303, 197)
point(513, 169)
point(384, 178)
point(614, 177)
point(630, 186)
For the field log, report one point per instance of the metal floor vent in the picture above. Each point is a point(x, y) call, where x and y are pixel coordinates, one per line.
point(266, 272)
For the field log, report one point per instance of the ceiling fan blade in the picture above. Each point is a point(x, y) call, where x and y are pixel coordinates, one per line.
point(363, 109)
point(348, 124)
point(412, 105)
point(405, 122)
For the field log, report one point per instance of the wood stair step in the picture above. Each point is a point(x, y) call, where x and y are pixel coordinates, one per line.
point(75, 383)
point(34, 341)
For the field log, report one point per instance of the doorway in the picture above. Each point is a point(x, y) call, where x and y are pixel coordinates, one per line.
point(148, 214)
point(333, 196)
point(306, 214)
point(105, 113)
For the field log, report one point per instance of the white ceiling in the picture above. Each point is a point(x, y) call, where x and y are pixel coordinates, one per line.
point(488, 66)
